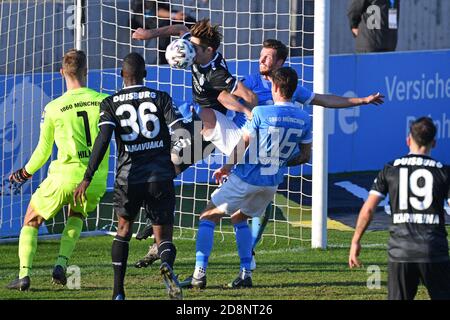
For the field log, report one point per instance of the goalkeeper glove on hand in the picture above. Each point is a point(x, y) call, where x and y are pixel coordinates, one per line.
point(20, 176)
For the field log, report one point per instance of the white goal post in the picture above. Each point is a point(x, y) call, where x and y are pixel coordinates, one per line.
point(320, 119)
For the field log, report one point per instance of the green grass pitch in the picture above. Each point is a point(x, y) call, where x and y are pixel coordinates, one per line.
point(284, 271)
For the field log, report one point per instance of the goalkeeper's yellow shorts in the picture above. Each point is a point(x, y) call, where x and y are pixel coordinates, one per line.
point(53, 193)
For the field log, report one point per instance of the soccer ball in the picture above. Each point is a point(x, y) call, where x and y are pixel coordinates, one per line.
point(180, 54)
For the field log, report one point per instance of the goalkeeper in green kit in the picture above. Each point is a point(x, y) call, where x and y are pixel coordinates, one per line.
point(71, 122)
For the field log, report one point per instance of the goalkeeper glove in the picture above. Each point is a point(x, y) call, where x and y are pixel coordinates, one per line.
point(20, 176)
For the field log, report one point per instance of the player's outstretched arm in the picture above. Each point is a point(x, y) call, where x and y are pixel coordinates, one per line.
point(172, 30)
point(333, 101)
point(364, 219)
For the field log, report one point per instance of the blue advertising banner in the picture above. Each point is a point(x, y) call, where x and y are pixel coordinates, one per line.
point(415, 84)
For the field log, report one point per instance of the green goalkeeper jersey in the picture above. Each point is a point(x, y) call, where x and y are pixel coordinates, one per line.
point(71, 121)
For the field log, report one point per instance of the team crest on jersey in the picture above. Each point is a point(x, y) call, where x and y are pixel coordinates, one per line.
point(43, 116)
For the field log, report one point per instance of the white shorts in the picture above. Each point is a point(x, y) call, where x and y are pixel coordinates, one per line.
point(226, 134)
point(236, 194)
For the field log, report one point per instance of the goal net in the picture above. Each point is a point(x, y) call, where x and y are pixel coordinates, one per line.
point(34, 36)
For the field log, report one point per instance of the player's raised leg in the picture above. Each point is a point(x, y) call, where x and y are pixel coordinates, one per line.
point(220, 130)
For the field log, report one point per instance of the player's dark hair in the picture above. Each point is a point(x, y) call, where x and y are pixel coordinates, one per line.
point(423, 131)
point(286, 79)
point(208, 34)
point(280, 48)
point(133, 67)
point(75, 63)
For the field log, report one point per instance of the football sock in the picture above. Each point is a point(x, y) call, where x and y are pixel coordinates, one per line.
point(69, 238)
point(199, 272)
point(119, 254)
point(244, 274)
point(27, 249)
point(256, 225)
point(167, 252)
point(204, 244)
point(244, 244)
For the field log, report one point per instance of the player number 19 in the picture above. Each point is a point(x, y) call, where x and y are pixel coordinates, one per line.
point(425, 191)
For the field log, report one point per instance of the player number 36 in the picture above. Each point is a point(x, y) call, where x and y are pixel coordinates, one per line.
point(138, 121)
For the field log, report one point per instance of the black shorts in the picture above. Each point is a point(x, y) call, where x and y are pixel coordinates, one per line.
point(157, 198)
point(404, 278)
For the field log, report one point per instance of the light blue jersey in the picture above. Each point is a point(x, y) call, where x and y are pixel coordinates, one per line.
point(263, 89)
point(276, 132)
